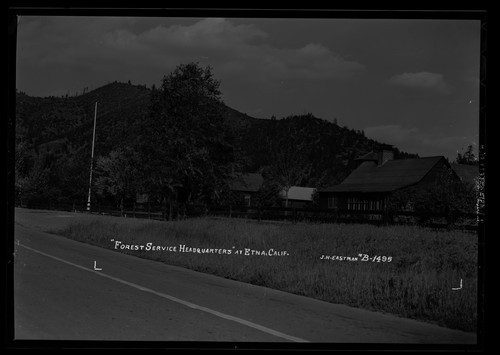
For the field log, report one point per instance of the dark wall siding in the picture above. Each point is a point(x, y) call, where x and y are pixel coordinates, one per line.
point(343, 198)
point(434, 174)
point(297, 204)
point(240, 198)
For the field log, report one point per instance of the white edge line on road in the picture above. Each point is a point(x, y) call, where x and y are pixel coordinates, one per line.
point(178, 300)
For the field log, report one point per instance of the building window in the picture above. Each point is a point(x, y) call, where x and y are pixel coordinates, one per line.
point(332, 202)
point(358, 204)
point(247, 199)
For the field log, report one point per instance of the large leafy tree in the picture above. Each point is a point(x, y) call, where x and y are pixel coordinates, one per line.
point(287, 164)
point(31, 176)
point(36, 176)
point(187, 147)
point(118, 175)
point(268, 194)
point(73, 176)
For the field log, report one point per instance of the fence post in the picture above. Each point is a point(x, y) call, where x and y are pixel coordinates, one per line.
point(149, 210)
point(450, 219)
point(259, 211)
point(230, 211)
point(385, 217)
point(133, 211)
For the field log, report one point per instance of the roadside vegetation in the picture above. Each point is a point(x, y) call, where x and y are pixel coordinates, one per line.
point(425, 265)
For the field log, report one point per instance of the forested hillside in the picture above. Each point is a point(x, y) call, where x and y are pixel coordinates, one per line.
point(54, 137)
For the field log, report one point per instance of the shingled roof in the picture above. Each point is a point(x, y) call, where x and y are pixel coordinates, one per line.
point(247, 182)
point(391, 176)
point(466, 173)
point(299, 193)
point(368, 156)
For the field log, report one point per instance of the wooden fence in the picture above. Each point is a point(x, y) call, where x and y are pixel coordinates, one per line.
point(468, 221)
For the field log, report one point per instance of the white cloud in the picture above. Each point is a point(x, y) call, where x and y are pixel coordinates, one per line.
point(226, 43)
point(422, 80)
point(210, 32)
point(121, 49)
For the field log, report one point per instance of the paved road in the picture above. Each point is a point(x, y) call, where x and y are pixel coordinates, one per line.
point(60, 295)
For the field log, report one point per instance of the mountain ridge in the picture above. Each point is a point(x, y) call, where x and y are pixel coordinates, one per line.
point(59, 129)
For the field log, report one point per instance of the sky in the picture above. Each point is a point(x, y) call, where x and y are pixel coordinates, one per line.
point(407, 82)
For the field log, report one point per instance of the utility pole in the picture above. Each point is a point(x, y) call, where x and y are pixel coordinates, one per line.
point(92, 157)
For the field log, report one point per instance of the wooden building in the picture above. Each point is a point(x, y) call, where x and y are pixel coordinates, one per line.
point(298, 197)
point(245, 187)
point(377, 176)
point(466, 173)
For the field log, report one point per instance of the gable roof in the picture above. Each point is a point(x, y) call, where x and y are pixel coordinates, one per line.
point(247, 182)
point(299, 193)
point(466, 173)
point(393, 175)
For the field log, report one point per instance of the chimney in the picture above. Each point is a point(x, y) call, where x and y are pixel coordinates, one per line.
point(385, 153)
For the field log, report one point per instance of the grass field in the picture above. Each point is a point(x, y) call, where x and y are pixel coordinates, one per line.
point(417, 282)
